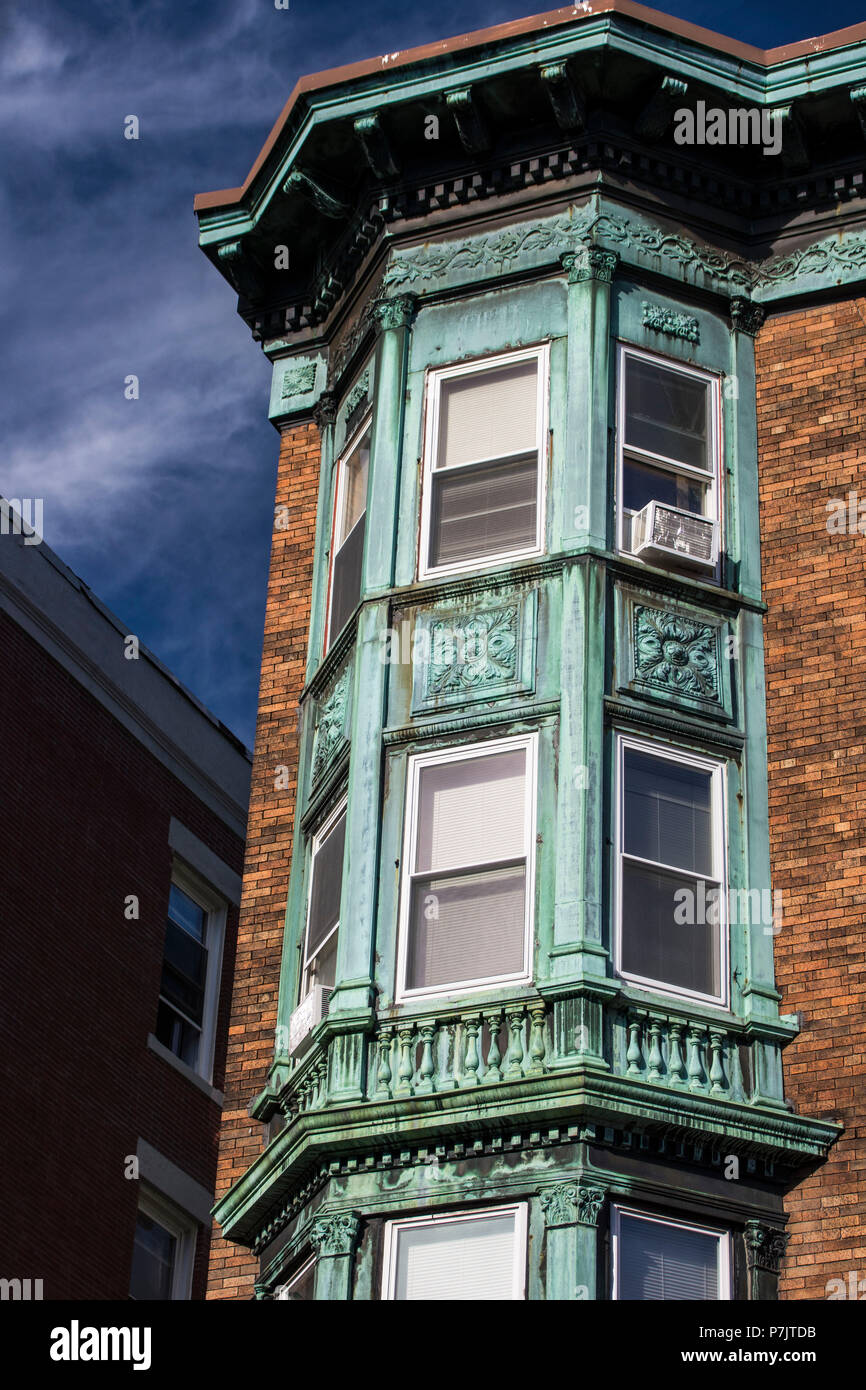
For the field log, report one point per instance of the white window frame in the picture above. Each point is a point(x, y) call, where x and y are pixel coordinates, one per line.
point(724, 1265)
point(437, 757)
point(393, 1230)
point(183, 1227)
point(435, 378)
point(215, 908)
point(718, 768)
point(285, 1290)
point(318, 839)
point(350, 446)
point(712, 477)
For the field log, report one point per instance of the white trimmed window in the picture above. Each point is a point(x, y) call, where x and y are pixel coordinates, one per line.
point(163, 1251)
point(468, 889)
point(323, 909)
point(656, 1258)
point(301, 1288)
point(483, 490)
point(472, 1255)
point(191, 971)
point(671, 899)
point(348, 530)
point(669, 449)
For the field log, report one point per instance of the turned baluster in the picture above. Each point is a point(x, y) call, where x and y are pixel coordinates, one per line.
point(425, 1072)
point(321, 1082)
point(537, 1047)
point(696, 1070)
point(514, 1055)
point(446, 1080)
point(717, 1074)
point(633, 1056)
point(405, 1067)
point(471, 1026)
point(654, 1061)
point(383, 1073)
point(494, 1056)
point(676, 1065)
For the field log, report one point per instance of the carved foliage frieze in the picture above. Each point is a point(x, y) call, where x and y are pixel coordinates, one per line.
point(662, 319)
point(331, 724)
point(676, 654)
point(463, 655)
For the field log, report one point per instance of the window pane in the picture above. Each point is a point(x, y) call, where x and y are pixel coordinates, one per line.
point(489, 509)
point(153, 1257)
point(668, 812)
point(322, 968)
point(467, 927)
point(187, 913)
point(457, 1260)
point(472, 811)
point(177, 1034)
point(658, 947)
point(184, 970)
point(658, 1261)
point(346, 578)
point(302, 1288)
point(488, 414)
point(666, 412)
point(355, 486)
point(642, 484)
point(327, 885)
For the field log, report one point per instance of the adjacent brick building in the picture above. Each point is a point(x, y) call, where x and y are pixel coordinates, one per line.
point(506, 207)
point(122, 816)
point(811, 439)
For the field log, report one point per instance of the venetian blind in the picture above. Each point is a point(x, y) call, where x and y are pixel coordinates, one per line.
point(459, 1260)
point(658, 1261)
point(489, 414)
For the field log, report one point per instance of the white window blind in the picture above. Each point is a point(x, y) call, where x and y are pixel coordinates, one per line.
point(469, 1259)
point(668, 812)
point(472, 811)
point(468, 891)
point(489, 414)
point(658, 1260)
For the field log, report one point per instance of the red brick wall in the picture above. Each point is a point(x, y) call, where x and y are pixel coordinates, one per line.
point(269, 837)
point(812, 448)
point(84, 821)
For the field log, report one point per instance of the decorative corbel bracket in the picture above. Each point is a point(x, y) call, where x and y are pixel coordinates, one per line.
point(235, 262)
point(469, 120)
point(376, 145)
point(658, 113)
point(328, 203)
point(565, 97)
point(572, 1204)
point(857, 96)
point(795, 156)
point(765, 1250)
point(396, 312)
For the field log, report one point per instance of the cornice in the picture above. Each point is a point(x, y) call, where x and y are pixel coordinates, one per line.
point(564, 1107)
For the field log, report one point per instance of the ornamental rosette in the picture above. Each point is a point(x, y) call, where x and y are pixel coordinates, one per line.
point(676, 654)
point(469, 655)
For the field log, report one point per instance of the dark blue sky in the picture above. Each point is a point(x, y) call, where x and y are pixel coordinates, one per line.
point(164, 505)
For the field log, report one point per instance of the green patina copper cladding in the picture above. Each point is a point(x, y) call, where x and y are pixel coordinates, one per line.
point(581, 1088)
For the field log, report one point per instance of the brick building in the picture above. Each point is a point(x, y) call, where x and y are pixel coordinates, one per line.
point(122, 821)
point(562, 637)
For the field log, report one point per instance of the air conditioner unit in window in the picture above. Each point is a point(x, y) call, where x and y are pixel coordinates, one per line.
point(309, 1012)
point(662, 532)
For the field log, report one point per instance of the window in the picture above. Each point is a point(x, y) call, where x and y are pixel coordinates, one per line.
point(468, 893)
point(669, 441)
point(654, 1258)
point(350, 516)
point(163, 1249)
point(473, 1255)
point(323, 914)
point(301, 1287)
point(672, 921)
point(191, 967)
point(483, 494)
